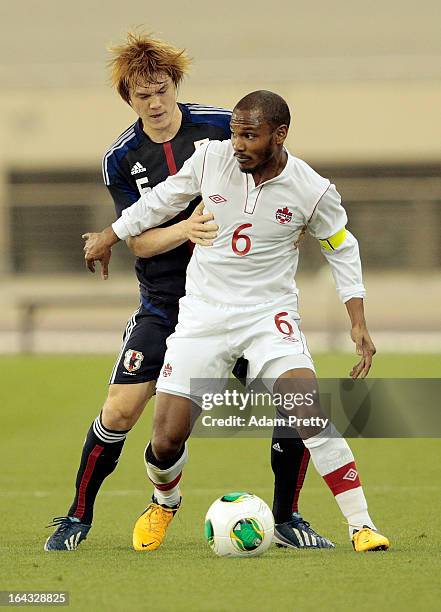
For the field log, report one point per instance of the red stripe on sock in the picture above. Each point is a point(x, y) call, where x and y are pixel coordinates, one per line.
point(168, 485)
point(300, 479)
point(91, 461)
point(170, 158)
point(343, 479)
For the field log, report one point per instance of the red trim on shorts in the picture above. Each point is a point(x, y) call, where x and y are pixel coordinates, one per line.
point(170, 158)
point(343, 479)
point(168, 485)
point(90, 466)
point(301, 479)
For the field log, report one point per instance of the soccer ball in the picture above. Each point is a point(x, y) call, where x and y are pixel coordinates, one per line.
point(239, 525)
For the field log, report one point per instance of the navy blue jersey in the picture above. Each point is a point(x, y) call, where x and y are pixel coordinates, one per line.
point(134, 164)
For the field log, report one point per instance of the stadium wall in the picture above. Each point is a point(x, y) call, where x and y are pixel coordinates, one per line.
point(365, 122)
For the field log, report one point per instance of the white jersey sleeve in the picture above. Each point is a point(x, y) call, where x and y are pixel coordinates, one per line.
point(339, 246)
point(165, 200)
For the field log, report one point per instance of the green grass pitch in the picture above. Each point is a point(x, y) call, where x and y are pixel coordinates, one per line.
point(47, 406)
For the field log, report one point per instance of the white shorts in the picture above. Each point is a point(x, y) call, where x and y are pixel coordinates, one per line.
point(210, 337)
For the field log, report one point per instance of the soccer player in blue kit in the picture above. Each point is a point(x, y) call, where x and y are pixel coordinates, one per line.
point(147, 73)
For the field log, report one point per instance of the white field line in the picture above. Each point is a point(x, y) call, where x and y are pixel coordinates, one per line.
point(215, 491)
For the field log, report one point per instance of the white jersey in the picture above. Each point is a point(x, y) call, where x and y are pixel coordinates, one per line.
point(254, 257)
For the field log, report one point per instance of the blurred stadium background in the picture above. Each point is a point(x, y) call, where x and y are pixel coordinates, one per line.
point(364, 87)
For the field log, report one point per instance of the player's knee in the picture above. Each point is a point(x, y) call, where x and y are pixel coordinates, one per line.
point(123, 406)
point(118, 418)
point(166, 446)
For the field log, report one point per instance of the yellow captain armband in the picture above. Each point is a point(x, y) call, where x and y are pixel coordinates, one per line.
point(333, 242)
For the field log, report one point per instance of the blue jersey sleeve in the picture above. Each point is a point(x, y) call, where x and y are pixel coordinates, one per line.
point(121, 190)
point(122, 193)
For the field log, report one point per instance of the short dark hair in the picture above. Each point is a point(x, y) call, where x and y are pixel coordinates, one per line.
point(273, 107)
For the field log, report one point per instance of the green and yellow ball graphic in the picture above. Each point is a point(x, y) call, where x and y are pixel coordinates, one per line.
point(247, 534)
point(236, 497)
point(209, 532)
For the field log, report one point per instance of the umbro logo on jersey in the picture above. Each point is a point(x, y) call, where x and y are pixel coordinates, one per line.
point(283, 215)
point(137, 168)
point(217, 199)
point(351, 475)
point(277, 447)
point(167, 370)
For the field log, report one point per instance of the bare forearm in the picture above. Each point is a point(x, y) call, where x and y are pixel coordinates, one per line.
point(157, 240)
point(355, 308)
point(365, 348)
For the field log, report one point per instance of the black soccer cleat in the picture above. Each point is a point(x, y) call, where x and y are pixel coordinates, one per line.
point(69, 534)
point(298, 533)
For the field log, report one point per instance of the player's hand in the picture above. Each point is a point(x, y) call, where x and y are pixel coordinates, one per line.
point(197, 227)
point(98, 248)
point(363, 347)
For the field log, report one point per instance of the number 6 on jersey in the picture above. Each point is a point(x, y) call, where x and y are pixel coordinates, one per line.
point(238, 236)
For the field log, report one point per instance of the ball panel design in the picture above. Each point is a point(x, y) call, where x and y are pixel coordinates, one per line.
point(247, 534)
point(209, 532)
point(235, 497)
point(243, 526)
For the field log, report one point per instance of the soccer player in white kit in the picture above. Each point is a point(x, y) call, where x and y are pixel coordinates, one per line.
point(241, 297)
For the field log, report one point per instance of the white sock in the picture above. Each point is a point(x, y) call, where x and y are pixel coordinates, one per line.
point(166, 482)
point(170, 498)
point(353, 505)
point(334, 461)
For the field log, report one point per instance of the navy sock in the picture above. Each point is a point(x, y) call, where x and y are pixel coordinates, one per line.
point(289, 461)
point(99, 458)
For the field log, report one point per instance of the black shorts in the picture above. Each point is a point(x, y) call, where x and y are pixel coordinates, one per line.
point(144, 344)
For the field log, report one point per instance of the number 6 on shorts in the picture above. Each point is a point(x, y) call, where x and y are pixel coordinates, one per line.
point(282, 325)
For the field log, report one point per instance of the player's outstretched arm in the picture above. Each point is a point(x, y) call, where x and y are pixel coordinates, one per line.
point(165, 200)
point(364, 346)
point(340, 248)
point(162, 203)
point(196, 228)
point(341, 252)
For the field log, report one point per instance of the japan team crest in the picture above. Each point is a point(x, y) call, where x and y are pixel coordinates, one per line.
point(283, 215)
point(133, 360)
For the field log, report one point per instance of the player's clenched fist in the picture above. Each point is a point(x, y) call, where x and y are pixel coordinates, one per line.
point(98, 247)
point(197, 227)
